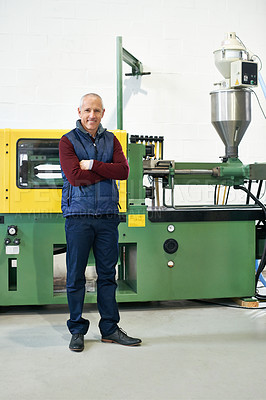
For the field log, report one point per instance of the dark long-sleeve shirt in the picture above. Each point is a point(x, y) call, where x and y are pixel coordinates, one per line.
point(117, 170)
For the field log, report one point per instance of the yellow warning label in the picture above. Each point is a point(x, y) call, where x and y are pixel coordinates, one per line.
point(136, 220)
point(237, 83)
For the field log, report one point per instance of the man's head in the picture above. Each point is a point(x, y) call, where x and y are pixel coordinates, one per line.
point(91, 112)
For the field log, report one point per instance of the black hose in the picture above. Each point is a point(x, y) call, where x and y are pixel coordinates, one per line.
point(263, 258)
point(226, 200)
point(259, 189)
point(215, 192)
point(249, 190)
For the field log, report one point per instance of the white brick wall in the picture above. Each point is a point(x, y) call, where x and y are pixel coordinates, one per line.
point(54, 51)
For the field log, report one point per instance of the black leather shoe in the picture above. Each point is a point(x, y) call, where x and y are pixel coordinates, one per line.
point(120, 337)
point(77, 342)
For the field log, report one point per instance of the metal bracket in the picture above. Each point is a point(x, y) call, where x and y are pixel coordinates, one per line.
point(137, 70)
point(133, 62)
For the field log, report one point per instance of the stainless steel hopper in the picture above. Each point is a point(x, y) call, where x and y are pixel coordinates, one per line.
point(231, 115)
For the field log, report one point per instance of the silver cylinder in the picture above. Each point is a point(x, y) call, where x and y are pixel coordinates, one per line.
point(231, 115)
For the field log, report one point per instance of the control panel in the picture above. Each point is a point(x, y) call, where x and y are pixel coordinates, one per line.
point(244, 74)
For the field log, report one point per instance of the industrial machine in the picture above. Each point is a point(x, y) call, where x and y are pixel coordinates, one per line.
point(167, 252)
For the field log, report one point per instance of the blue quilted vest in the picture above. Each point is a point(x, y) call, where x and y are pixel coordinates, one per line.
point(97, 199)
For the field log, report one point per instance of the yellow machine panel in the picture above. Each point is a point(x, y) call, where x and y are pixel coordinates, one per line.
point(122, 185)
point(4, 167)
point(30, 180)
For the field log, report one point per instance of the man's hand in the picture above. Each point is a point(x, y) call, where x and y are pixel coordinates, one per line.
point(86, 164)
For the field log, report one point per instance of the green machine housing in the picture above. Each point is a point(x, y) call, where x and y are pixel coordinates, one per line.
point(166, 252)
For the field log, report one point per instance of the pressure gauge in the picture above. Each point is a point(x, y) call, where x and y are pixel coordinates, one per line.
point(170, 228)
point(12, 230)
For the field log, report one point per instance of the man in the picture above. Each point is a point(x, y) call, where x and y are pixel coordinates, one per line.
point(91, 160)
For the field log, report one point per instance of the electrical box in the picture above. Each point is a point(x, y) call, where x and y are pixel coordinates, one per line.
point(244, 74)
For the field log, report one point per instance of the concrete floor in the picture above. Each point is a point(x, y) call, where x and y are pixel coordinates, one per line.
point(191, 350)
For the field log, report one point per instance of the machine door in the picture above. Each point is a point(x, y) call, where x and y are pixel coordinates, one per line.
point(31, 176)
point(38, 164)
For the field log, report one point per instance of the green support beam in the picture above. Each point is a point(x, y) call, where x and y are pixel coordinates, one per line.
point(119, 73)
point(137, 70)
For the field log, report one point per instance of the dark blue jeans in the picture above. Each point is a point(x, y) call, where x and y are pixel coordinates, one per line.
point(100, 234)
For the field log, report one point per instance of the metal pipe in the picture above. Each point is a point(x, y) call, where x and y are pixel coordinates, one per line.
point(193, 171)
point(155, 171)
point(157, 192)
point(119, 73)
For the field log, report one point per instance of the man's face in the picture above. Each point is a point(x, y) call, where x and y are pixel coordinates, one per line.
point(91, 114)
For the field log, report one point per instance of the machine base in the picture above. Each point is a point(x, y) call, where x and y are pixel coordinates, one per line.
point(214, 259)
